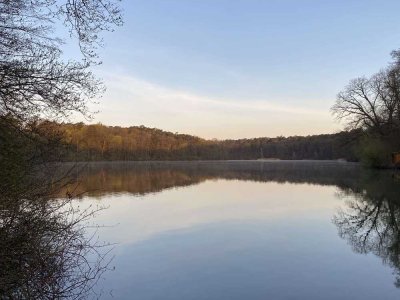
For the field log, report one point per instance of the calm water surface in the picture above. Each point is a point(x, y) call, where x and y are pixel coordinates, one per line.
point(247, 230)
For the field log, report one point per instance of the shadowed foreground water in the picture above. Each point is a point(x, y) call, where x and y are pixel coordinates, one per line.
point(247, 230)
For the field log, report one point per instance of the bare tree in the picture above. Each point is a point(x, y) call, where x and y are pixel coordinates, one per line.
point(372, 103)
point(46, 249)
point(44, 246)
point(34, 79)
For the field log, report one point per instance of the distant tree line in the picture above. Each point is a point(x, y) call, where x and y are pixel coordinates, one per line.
point(99, 142)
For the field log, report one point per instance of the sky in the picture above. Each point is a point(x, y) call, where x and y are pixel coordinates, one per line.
point(241, 68)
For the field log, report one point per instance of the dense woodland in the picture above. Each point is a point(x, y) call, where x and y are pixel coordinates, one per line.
point(370, 108)
point(100, 142)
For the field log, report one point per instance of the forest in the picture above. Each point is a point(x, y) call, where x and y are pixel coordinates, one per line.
point(45, 250)
point(98, 142)
point(368, 106)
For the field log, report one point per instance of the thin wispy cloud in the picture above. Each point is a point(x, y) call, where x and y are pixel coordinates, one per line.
point(160, 95)
point(131, 101)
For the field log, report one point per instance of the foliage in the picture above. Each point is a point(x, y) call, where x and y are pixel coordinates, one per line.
point(100, 142)
point(374, 152)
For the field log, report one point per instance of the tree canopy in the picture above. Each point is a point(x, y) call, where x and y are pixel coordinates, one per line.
point(372, 103)
point(100, 142)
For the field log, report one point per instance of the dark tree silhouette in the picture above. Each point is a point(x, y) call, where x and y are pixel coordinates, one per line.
point(34, 79)
point(44, 248)
point(372, 103)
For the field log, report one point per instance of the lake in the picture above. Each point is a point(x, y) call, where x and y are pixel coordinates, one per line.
point(246, 229)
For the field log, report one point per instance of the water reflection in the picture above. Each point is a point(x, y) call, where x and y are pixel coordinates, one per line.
point(287, 218)
point(141, 178)
point(370, 222)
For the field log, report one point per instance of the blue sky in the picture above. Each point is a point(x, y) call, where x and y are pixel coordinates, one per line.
point(233, 69)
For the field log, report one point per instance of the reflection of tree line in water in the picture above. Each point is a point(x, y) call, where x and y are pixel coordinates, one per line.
point(42, 250)
point(370, 222)
point(98, 179)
